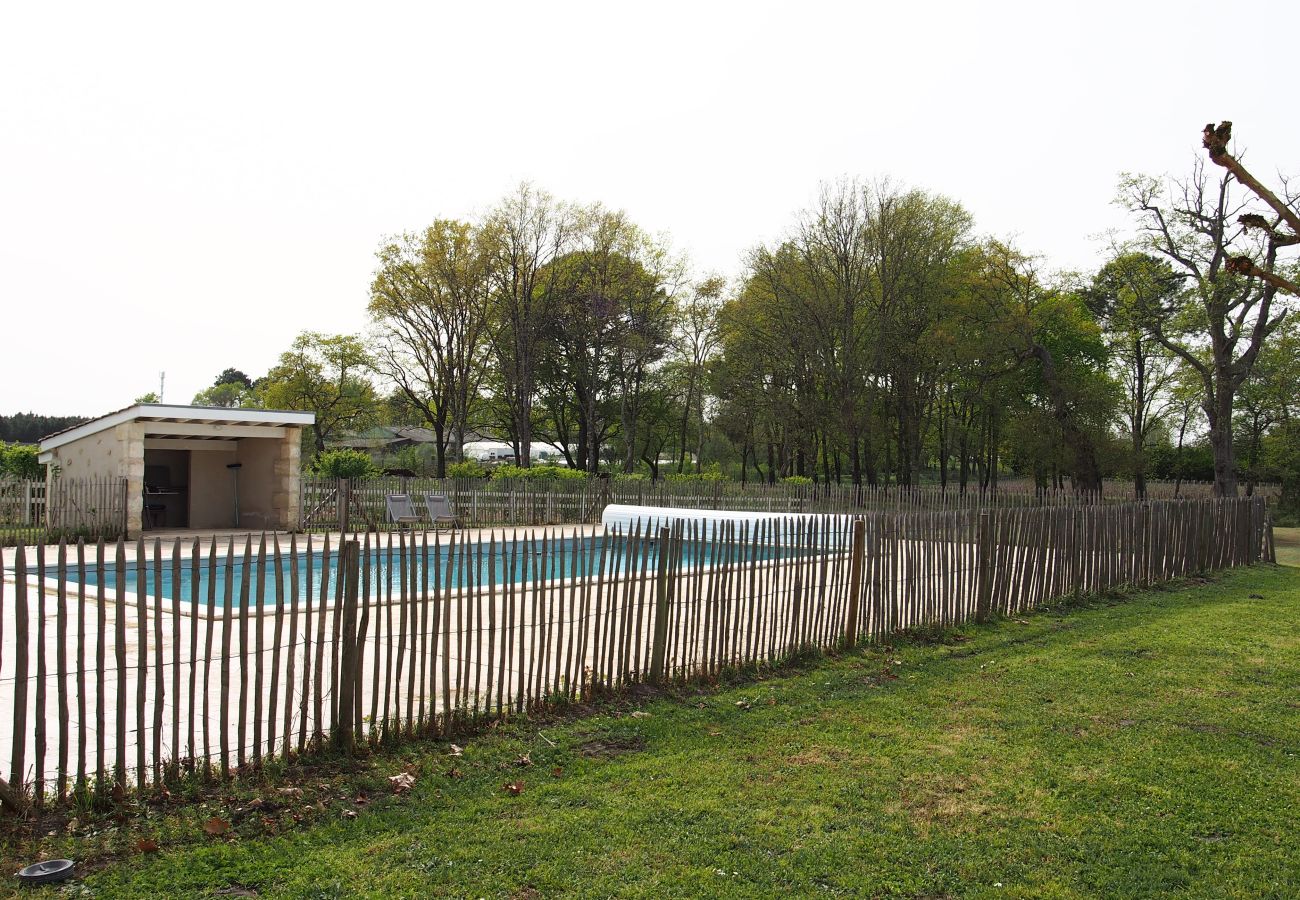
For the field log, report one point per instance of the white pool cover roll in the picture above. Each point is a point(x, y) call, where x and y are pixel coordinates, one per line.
point(625, 518)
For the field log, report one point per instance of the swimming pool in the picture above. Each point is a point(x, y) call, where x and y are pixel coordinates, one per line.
point(465, 564)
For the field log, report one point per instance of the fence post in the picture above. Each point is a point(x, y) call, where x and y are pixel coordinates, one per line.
point(345, 504)
point(1141, 577)
point(851, 627)
point(1076, 554)
point(658, 650)
point(984, 569)
point(346, 677)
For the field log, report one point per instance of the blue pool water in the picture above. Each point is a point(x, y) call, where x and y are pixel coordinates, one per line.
point(516, 562)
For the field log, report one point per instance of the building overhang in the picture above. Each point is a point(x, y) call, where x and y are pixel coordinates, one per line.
point(164, 422)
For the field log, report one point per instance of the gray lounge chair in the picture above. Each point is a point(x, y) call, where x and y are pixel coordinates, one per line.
point(440, 511)
point(402, 511)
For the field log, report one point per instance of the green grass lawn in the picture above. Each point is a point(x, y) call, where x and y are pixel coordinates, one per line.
point(1287, 543)
point(1137, 748)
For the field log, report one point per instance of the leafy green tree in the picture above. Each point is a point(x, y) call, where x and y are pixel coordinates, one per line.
point(430, 305)
point(1049, 335)
point(1269, 407)
point(613, 308)
point(695, 343)
point(233, 376)
point(20, 461)
point(227, 394)
point(862, 281)
point(325, 375)
point(1121, 295)
point(29, 428)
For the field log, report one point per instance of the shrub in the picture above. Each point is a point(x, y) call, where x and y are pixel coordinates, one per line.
point(344, 464)
point(470, 468)
point(631, 477)
point(20, 461)
point(796, 479)
point(711, 473)
point(537, 473)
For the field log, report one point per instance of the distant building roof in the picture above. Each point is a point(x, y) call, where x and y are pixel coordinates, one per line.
point(381, 436)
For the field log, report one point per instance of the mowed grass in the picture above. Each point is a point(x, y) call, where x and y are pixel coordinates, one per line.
point(1132, 748)
point(1286, 541)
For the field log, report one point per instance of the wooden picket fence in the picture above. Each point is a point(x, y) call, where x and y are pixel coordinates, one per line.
point(129, 665)
point(328, 504)
point(34, 512)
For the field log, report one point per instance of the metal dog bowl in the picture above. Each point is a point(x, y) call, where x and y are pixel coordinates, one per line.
point(46, 872)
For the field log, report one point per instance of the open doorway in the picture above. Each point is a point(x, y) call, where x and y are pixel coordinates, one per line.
point(166, 489)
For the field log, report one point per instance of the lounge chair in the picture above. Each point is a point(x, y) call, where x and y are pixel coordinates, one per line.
point(402, 511)
point(440, 511)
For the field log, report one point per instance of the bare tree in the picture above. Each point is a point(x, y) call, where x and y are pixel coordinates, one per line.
point(1274, 228)
point(1227, 254)
point(527, 231)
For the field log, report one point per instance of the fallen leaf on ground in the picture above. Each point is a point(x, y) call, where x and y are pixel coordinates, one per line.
point(349, 813)
point(402, 783)
point(146, 845)
point(557, 772)
point(455, 750)
point(524, 761)
point(291, 791)
point(453, 772)
point(640, 714)
point(514, 788)
point(216, 825)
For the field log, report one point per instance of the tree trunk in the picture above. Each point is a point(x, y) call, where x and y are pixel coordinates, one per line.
point(440, 448)
point(1219, 415)
point(523, 415)
point(685, 424)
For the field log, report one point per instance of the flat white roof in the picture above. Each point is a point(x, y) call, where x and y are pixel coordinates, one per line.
point(165, 412)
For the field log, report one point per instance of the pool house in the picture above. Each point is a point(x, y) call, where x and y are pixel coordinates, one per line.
point(190, 467)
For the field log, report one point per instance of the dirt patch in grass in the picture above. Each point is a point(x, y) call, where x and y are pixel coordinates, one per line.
point(612, 744)
point(942, 800)
point(953, 738)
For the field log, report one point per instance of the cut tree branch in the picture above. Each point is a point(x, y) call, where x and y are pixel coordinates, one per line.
point(1244, 265)
point(1215, 140)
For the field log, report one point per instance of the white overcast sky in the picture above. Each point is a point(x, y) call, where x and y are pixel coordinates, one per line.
point(184, 187)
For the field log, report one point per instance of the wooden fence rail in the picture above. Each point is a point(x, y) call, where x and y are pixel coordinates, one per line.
point(36, 512)
point(486, 502)
point(132, 664)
